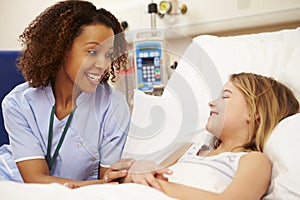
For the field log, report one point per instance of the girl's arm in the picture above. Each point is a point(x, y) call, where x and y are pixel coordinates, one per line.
point(150, 178)
point(250, 182)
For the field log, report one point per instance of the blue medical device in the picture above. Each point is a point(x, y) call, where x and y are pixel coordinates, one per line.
point(150, 72)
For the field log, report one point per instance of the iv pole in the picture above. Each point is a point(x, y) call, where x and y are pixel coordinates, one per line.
point(152, 9)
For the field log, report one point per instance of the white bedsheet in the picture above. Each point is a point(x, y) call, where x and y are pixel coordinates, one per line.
point(16, 191)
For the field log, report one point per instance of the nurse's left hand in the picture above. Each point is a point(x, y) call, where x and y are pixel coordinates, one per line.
point(72, 185)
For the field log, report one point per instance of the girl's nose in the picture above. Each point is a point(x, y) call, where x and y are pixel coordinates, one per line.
point(211, 104)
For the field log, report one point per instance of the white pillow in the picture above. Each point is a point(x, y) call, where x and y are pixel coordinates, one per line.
point(160, 125)
point(273, 54)
point(290, 75)
point(283, 148)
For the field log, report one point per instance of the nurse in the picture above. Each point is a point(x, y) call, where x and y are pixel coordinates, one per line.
point(66, 124)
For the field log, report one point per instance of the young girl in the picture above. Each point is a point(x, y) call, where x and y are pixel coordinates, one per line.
point(66, 124)
point(241, 120)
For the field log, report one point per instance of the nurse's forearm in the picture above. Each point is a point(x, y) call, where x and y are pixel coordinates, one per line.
point(36, 171)
point(68, 182)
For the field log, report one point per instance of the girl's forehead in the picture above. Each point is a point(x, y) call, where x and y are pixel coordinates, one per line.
point(229, 86)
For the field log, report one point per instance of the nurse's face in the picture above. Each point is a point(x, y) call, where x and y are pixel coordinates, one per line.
point(90, 57)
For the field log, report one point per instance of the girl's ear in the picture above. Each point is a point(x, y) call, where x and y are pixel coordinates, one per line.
point(248, 118)
point(256, 116)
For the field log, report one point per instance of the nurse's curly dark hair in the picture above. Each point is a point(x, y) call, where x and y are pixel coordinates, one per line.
point(50, 36)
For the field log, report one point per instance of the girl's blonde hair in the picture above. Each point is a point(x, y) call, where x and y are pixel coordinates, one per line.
point(269, 101)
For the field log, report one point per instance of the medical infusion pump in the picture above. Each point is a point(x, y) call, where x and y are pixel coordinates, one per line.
point(150, 63)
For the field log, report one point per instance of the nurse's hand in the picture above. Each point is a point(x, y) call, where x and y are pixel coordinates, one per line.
point(111, 175)
point(73, 185)
point(118, 170)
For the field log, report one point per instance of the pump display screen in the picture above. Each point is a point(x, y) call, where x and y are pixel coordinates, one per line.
point(148, 56)
point(143, 48)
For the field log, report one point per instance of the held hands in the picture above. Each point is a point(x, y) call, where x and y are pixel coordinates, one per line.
point(118, 170)
point(112, 175)
point(146, 173)
point(130, 171)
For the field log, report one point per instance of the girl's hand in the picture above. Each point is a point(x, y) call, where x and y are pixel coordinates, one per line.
point(146, 173)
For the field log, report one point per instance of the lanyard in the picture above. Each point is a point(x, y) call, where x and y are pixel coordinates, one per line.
point(50, 160)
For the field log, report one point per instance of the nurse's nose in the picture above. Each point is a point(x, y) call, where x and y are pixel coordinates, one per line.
point(102, 62)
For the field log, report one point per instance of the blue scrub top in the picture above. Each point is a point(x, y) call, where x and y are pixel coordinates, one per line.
point(95, 137)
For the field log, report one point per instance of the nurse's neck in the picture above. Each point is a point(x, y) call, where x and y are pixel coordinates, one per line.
point(65, 99)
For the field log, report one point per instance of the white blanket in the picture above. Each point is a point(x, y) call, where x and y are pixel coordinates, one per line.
point(16, 191)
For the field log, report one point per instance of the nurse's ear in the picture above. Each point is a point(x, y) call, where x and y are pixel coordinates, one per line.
point(66, 56)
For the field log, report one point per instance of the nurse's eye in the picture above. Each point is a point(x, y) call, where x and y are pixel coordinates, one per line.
point(92, 52)
point(110, 56)
point(225, 97)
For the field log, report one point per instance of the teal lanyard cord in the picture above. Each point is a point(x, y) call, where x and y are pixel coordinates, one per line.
point(51, 160)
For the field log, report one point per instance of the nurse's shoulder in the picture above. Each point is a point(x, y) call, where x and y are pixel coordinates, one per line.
point(23, 92)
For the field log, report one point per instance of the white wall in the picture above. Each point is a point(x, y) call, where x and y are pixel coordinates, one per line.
point(15, 16)
point(203, 16)
point(206, 16)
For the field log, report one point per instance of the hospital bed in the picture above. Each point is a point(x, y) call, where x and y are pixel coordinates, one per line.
point(203, 69)
point(180, 114)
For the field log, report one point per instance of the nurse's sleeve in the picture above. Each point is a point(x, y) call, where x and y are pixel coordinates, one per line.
point(24, 144)
point(115, 129)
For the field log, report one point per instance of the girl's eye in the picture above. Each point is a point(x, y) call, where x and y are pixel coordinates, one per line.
point(225, 97)
point(92, 52)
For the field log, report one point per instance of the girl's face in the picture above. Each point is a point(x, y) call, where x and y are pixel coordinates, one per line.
point(90, 57)
point(229, 113)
